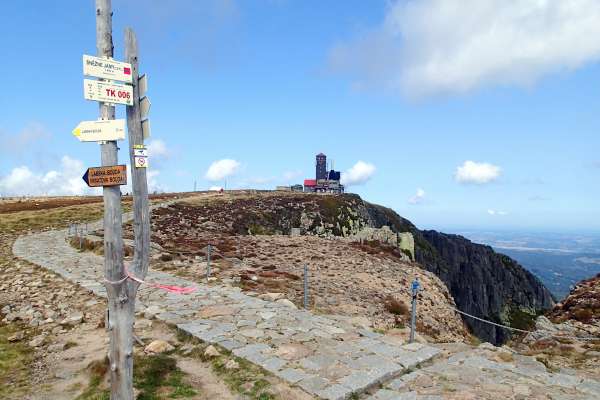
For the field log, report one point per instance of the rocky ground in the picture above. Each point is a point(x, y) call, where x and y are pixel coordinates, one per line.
point(52, 339)
point(53, 342)
point(368, 280)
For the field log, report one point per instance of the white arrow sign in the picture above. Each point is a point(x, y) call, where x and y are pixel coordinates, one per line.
point(98, 131)
point(107, 69)
point(107, 92)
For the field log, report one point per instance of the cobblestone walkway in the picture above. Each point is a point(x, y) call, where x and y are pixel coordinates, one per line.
point(327, 357)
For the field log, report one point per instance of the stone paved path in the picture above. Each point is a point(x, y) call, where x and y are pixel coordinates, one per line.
point(327, 357)
point(479, 373)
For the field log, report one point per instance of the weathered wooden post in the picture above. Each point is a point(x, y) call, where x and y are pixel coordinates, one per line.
point(119, 306)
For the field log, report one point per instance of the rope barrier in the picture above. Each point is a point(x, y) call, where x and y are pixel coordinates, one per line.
point(522, 330)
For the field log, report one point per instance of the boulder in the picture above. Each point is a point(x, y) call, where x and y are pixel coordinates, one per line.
point(271, 296)
point(158, 347)
point(211, 351)
point(232, 364)
point(287, 303)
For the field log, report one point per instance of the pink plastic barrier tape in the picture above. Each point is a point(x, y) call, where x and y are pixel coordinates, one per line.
point(168, 288)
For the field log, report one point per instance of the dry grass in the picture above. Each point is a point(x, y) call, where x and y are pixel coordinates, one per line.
point(396, 307)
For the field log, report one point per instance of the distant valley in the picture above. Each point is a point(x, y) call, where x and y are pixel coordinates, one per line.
point(559, 260)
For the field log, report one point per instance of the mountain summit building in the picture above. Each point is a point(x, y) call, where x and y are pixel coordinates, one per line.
point(325, 181)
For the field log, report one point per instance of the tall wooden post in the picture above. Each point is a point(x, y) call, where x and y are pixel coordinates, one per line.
point(141, 213)
point(119, 306)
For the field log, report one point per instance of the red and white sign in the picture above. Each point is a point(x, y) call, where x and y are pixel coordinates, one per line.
point(106, 68)
point(107, 92)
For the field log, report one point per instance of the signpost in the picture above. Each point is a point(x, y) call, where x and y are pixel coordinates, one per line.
point(97, 131)
point(106, 176)
point(107, 92)
point(121, 291)
point(106, 68)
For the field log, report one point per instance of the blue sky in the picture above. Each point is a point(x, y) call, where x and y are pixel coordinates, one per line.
point(271, 83)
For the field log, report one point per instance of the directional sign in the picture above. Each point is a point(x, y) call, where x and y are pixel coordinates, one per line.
point(140, 156)
point(97, 131)
point(145, 129)
point(106, 68)
point(145, 107)
point(107, 92)
point(143, 85)
point(106, 176)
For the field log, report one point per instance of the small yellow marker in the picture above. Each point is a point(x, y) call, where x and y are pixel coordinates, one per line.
point(77, 132)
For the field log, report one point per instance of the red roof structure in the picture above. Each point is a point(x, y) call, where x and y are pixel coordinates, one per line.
point(310, 182)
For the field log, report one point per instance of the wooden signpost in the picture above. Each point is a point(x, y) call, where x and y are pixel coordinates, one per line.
point(120, 290)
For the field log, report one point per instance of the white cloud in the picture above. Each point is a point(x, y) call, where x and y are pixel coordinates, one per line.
point(360, 173)
point(31, 135)
point(66, 181)
point(222, 169)
point(157, 149)
point(431, 47)
point(477, 173)
point(497, 212)
point(215, 188)
point(418, 198)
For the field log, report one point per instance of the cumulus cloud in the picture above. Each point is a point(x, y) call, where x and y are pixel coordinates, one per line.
point(222, 169)
point(418, 198)
point(22, 181)
point(359, 174)
point(497, 212)
point(30, 135)
point(477, 173)
point(158, 149)
point(431, 47)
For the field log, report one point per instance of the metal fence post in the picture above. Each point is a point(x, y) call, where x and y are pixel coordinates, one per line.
point(80, 238)
point(306, 287)
point(413, 316)
point(208, 248)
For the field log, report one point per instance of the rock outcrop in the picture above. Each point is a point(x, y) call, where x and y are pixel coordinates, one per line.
point(483, 283)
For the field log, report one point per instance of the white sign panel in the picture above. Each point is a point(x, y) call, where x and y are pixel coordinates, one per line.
point(98, 131)
point(140, 162)
point(140, 152)
point(145, 129)
point(143, 85)
point(145, 107)
point(106, 69)
point(107, 92)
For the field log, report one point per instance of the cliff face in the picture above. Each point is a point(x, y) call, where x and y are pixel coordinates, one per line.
point(483, 283)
